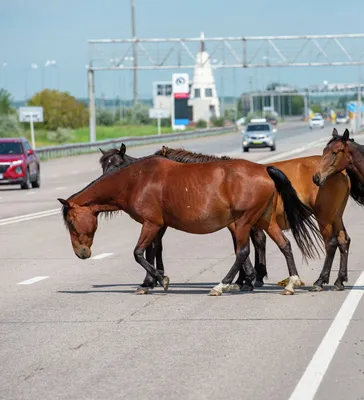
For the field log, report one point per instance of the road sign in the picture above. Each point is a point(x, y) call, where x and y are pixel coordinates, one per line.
point(155, 113)
point(28, 114)
point(158, 113)
point(31, 114)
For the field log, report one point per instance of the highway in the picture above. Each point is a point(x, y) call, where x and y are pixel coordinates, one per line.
point(74, 329)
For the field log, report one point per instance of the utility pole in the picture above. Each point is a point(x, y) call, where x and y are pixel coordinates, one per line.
point(135, 61)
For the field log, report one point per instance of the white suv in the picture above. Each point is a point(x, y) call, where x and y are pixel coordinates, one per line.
point(317, 122)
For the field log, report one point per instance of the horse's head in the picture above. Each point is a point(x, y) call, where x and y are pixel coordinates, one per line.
point(114, 158)
point(82, 224)
point(335, 158)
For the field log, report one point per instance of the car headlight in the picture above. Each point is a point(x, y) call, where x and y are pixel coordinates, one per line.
point(18, 162)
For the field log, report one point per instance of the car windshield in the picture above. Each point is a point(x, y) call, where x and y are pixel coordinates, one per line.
point(257, 127)
point(10, 148)
point(316, 119)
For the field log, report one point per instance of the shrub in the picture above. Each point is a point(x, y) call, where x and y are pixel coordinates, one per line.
point(105, 118)
point(201, 123)
point(10, 126)
point(61, 135)
point(60, 110)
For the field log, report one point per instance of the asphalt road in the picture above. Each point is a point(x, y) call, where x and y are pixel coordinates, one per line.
point(73, 329)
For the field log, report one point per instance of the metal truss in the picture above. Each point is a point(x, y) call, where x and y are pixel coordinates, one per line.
point(228, 52)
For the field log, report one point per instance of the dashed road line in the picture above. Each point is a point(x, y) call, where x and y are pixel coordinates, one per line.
point(33, 280)
point(60, 188)
point(102, 255)
point(27, 217)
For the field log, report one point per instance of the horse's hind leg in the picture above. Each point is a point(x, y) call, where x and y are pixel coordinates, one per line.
point(276, 234)
point(148, 234)
point(331, 244)
point(259, 240)
point(150, 254)
point(159, 250)
point(242, 230)
point(344, 245)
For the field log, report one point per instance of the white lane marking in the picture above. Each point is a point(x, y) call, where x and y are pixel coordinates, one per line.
point(27, 217)
point(29, 193)
point(33, 280)
point(75, 172)
point(102, 255)
point(54, 176)
point(60, 188)
point(308, 385)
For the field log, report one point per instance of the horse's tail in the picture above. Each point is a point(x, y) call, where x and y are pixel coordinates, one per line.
point(300, 217)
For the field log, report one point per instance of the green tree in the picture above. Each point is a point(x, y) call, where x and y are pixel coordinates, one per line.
point(297, 105)
point(60, 110)
point(5, 102)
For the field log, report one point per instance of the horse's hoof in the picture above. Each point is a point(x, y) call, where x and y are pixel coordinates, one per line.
point(285, 282)
point(259, 284)
point(287, 292)
point(142, 290)
point(337, 288)
point(234, 287)
point(165, 283)
point(214, 292)
point(316, 289)
point(247, 288)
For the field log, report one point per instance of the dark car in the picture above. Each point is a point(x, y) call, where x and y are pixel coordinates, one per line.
point(19, 163)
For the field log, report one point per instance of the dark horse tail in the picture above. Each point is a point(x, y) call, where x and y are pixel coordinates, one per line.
point(300, 217)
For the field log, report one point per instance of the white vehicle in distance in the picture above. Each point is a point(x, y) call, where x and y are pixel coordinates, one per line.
point(342, 118)
point(259, 134)
point(317, 122)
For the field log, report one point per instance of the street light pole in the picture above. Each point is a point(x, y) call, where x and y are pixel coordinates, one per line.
point(134, 52)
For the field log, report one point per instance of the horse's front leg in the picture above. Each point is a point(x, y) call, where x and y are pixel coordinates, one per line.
point(148, 234)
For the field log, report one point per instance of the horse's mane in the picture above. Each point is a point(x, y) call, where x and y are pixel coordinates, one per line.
point(185, 156)
point(357, 188)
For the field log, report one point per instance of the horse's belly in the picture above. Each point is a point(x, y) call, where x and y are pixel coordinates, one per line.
point(202, 224)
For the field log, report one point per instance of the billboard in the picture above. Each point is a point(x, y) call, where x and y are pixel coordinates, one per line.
point(180, 94)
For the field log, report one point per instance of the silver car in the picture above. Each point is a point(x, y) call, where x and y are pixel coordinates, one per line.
point(259, 135)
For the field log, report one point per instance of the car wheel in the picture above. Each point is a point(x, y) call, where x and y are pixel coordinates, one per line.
point(273, 148)
point(246, 149)
point(311, 128)
point(36, 183)
point(26, 184)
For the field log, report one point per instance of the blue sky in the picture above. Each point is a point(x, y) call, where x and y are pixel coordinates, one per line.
point(33, 31)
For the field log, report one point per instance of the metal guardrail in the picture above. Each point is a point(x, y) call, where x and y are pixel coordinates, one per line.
point(66, 150)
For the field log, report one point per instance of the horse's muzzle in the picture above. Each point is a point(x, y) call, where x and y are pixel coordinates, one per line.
point(317, 180)
point(84, 253)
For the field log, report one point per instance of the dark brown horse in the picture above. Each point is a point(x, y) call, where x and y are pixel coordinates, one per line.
point(327, 204)
point(195, 198)
point(117, 158)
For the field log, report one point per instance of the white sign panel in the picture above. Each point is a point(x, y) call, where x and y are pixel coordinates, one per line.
point(180, 83)
point(28, 113)
point(155, 113)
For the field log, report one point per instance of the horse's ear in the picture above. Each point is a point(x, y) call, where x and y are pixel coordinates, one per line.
point(346, 135)
point(164, 151)
point(64, 203)
point(122, 149)
point(102, 151)
point(335, 133)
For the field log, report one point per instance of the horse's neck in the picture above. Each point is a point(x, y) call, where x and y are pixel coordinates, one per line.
point(357, 161)
point(104, 194)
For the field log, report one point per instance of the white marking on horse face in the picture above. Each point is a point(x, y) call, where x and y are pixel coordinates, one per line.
point(109, 161)
point(186, 189)
point(294, 280)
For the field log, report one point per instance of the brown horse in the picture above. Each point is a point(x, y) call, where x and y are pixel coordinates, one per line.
point(117, 158)
point(342, 153)
point(327, 204)
point(195, 198)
